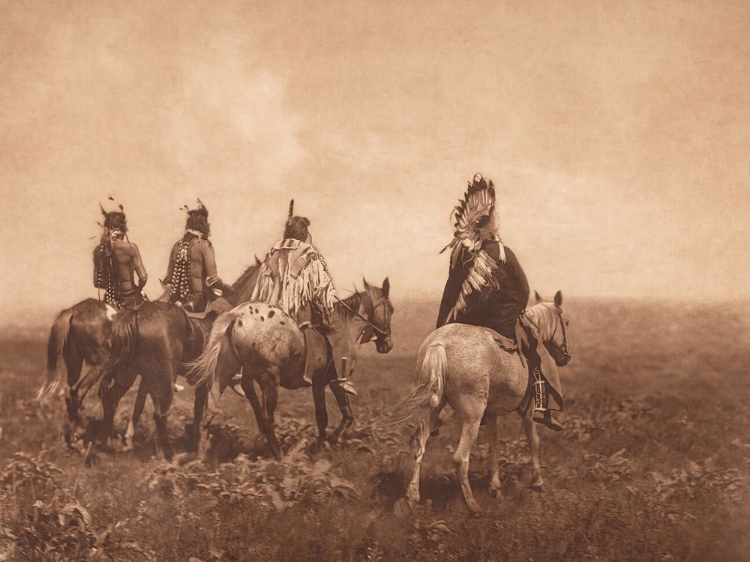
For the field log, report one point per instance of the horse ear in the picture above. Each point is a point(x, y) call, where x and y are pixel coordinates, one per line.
point(386, 287)
point(367, 285)
point(538, 297)
point(558, 298)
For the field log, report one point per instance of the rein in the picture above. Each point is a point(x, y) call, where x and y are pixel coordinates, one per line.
point(381, 302)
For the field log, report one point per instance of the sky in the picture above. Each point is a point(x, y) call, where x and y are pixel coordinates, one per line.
point(617, 134)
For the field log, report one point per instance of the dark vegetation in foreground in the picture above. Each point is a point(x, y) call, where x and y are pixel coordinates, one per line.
point(653, 464)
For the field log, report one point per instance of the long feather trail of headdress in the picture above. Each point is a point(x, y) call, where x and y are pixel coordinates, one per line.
point(470, 215)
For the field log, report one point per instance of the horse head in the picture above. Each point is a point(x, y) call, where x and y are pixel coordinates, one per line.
point(547, 319)
point(379, 313)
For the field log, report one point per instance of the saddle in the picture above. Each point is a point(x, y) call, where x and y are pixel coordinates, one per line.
point(510, 345)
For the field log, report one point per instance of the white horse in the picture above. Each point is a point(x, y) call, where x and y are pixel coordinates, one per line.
point(464, 366)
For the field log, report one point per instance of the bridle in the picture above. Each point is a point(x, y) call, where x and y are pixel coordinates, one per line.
point(385, 334)
point(564, 347)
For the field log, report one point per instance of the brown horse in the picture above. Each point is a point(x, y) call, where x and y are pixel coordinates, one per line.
point(79, 335)
point(155, 341)
point(269, 348)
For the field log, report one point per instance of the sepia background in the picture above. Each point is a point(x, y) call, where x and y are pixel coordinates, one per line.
point(617, 134)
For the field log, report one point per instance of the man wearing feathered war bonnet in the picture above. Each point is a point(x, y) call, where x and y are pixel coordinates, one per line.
point(487, 287)
point(295, 278)
point(192, 280)
point(116, 261)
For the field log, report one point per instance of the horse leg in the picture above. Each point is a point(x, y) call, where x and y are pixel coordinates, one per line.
point(494, 455)
point(140, 402)
point(73, 364)
point(347, 416)
point(261, 410)
point(112, 388)
point(321, 412)
point(469, 432)
point(161, 396)
point(532, 436)
point(199, 408)
point(419, 444)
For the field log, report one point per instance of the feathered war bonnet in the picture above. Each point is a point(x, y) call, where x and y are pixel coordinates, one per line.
point(474, 223)
point(473, 217)
point(197, 220)
point(115, 221)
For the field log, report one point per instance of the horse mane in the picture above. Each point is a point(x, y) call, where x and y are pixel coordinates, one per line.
point(351, 306)
point(251, 269)
point(543, 315)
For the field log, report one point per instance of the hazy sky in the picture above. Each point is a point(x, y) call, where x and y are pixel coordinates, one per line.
point(617, 134)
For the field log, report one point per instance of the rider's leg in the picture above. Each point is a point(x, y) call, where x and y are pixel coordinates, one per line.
point(307, 376)
point(341, 348)
point(540, 389)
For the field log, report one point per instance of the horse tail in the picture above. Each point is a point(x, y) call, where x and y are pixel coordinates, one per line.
point(429, 391)
point(124, 340)
point(219, 356)
point(58, 337)
point(432, 372)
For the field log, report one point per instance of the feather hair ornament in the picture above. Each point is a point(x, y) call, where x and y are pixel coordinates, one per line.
point(471, 215)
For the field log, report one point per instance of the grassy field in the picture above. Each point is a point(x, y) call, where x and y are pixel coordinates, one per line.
point(653, 464)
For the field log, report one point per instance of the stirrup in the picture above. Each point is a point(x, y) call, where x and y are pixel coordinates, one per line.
point(347, 386)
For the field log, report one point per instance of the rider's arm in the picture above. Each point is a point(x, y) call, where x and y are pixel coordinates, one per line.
point(522, 290)
point(96, 267)
point(135, 259)
point(170, 267)
point(456, 277)
point(210, 272)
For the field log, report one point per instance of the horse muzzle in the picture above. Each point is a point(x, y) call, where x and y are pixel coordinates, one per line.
point(562, 360)
point(383, 345)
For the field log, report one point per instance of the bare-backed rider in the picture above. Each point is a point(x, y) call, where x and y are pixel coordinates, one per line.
point(116, 261)
point(192, 280)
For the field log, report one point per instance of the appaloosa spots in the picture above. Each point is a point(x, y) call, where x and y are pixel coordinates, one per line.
point(271, 313)
point(262, 319)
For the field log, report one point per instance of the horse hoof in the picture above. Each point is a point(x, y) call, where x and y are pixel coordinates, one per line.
point(536, 485)
point(403, 507)
point(495, 493)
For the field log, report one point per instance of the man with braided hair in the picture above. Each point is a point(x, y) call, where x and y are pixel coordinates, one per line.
point(116, 261)
point(192, 280)
point(295, 278)
point(487, 287)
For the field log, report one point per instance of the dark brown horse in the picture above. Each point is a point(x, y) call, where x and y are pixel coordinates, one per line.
point(79, 335)
point(269, 348)
point(154, 342)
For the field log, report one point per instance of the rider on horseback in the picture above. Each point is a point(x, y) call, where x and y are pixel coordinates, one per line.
point(295, 278)
point(116, 260)
point(191, 277)
point(487, 287)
